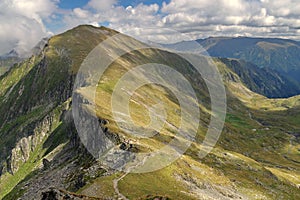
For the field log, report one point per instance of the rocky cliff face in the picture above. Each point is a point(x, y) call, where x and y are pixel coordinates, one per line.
point(39, 136)
point(27, 145)
point(42, 156)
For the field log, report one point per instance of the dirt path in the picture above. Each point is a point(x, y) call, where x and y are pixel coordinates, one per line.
point(116, 181)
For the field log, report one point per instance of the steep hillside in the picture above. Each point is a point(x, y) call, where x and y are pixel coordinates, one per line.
point(7, 62)
point(35, 96)
point(274, 71)
point(42, 156)
point(264, 81)
point(278, 54)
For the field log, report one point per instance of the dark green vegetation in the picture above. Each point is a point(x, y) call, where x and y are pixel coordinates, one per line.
point(7, 62)
point(263, 81)
point(257, 156)
point(277, 54)
point(277, 70)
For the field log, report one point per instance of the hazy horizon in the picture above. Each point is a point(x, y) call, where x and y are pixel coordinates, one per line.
point(25, 23)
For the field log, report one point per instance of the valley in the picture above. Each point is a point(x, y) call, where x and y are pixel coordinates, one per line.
point(41, 152)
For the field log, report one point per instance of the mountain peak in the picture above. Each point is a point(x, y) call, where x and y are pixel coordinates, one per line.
point(91, 28)
point(11, 54)
point(41, 150)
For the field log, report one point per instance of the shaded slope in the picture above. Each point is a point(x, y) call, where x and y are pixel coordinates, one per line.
point(34, 98)
point(278, 54)
point(276, 70)
point(257, 148)
point(264, 81)
point(7, 62)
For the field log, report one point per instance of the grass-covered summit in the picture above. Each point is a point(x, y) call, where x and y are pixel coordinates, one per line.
point(257, 156)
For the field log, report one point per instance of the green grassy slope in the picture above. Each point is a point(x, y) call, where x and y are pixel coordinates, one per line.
point(33, 89)
point(264, 81)
point(257, 156)
point(7, 62)
point(278, 54)
point(251, 142)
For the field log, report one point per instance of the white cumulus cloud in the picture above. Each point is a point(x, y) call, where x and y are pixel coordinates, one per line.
point(101, 5)
point(21, 23)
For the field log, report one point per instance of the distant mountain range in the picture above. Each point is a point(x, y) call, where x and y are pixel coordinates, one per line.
point(265, 81)
point(274, 72)
point(42, 155)
point(278, 56)
point(9, 59)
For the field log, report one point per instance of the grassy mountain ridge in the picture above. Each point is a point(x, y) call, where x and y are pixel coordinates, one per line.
point(274, 60)
point(7, 62)
point(264, 81)
point(33, 89)
point(278, 54)
point(256, 157)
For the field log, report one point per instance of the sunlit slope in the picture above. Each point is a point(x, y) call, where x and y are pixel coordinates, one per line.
point(34, 99)
point(273, 64)
point(257, 156)
point(257, 146)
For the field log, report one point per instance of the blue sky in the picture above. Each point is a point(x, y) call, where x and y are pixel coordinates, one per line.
point(71, 4)
point(24, 22)
point(56, 25)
